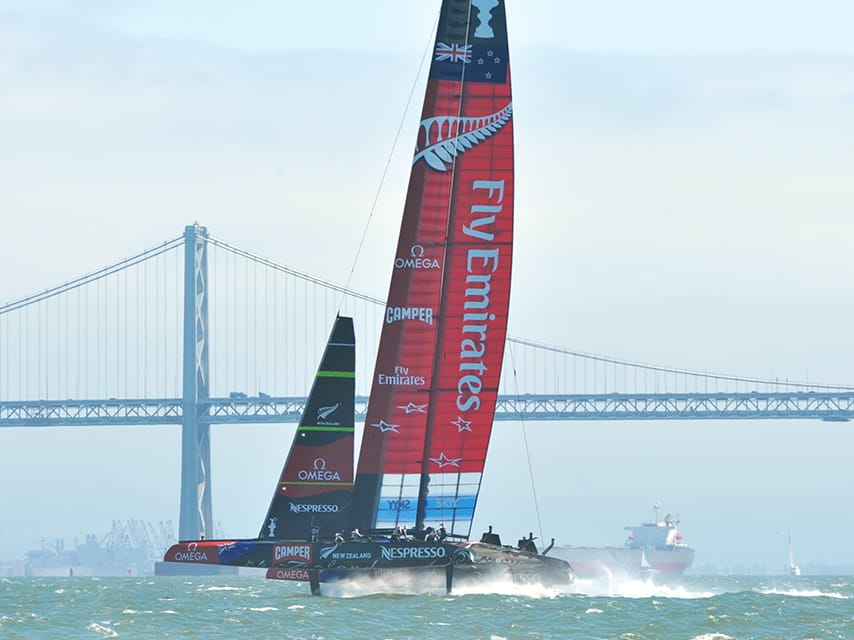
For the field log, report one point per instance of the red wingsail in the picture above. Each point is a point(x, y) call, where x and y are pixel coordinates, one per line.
point(433, 394)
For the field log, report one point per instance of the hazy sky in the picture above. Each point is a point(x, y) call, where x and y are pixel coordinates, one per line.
point(683, 197)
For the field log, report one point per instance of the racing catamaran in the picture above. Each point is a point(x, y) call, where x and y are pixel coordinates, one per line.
point(411, 505)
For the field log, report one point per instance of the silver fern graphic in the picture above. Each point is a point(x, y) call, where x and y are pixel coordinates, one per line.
point(325, 412)
point(446, 137)
point(325, 552)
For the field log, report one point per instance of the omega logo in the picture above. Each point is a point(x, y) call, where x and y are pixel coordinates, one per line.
point(319, 472)
point(416, 260)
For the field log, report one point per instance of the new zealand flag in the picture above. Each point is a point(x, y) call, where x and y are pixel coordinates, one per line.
point(471, 42)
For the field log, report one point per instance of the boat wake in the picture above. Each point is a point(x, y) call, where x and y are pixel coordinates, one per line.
point(403, 585)
point(803, 593)
point(498, 586)
point(627, 586)
point(610, 586)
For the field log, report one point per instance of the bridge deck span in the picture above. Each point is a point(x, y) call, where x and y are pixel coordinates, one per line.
point(830, 406)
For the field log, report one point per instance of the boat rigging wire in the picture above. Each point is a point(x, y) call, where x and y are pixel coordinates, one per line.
point(527, 448)
point(427, 50)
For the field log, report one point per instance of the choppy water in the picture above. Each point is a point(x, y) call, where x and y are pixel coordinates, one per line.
point(689, 608)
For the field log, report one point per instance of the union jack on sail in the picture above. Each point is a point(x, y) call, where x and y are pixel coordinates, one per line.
point(453, 52)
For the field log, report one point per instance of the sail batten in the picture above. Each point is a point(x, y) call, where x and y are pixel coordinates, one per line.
point(433, 395)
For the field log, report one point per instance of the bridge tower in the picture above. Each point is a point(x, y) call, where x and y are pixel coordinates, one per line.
point(195, 516)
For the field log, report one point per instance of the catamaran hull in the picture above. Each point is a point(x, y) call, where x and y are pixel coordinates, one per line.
point(588, 562)
point(443, 563)
point(162, 568)
point(471, 564)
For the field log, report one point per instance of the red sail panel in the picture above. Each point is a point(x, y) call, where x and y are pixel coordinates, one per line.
point(396, 421)
point(452, 265)
point(476, 295)
point(473, 323)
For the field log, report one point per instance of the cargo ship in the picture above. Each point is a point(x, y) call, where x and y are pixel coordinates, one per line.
point(652, 548)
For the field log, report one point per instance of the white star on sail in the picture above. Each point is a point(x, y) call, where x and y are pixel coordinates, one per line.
point(384, 426)
point(444, 461)
point(462, 425)
point(413, 408)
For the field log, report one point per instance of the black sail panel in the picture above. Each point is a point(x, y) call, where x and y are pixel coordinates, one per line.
point(316, 484)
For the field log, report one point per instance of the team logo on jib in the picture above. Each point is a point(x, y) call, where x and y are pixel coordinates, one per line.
point(288, 552)
point(416, 260)
point(313, 508)
point(323, 414)
point(319, 472)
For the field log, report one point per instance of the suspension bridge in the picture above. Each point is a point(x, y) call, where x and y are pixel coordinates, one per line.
point(197, 332)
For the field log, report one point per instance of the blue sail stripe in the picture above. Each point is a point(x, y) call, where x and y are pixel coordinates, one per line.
point(403, 510)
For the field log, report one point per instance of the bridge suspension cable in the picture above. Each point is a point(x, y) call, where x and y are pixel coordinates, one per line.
point(790, 384)
point(148, 254)
point(120, 337)
point(293, 272)
point(699, 377)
